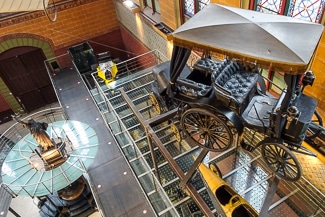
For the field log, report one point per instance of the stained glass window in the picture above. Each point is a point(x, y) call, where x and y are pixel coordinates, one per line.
point(270, 6)
point(189, 7)
point(203, 3)
point(306, 9)
point(193, 6)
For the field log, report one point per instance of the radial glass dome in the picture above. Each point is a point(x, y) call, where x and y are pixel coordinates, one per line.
point(24, 172)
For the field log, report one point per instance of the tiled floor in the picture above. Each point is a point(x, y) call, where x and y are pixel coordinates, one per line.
point(313, 169)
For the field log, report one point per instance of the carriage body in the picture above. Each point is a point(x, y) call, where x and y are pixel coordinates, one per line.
point(228, 85)
point(218, 99)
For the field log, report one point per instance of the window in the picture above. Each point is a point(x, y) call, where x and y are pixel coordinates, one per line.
point(270, 6)
point(191, 7)
point(310, 10)
point(153, 4)
point(306, 10)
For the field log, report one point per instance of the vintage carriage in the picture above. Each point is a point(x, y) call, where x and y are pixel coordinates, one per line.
point(218, 99)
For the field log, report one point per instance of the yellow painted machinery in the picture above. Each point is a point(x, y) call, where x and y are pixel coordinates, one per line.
point(232, 204)
point(107, 71)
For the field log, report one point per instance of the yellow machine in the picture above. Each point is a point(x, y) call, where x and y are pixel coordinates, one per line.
point(107, 71)
point(229, 200)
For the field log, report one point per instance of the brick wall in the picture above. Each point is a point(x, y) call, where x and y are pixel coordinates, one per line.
point(132, 45)
point(142, 30)
point(82, 20)
point(77, 21)
point(136, 48)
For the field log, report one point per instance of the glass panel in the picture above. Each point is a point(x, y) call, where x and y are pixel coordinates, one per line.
point(306, 10)
point(189, 7)
point(158, 200)
point(203, 3)
point(129, 152)
point(147, 182)
point(139, 166)
point(148, 3)
point(193, 6)
point(270, 6)
point(157, 5)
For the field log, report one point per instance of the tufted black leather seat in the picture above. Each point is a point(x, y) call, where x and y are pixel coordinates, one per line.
point(234, 86)
point(206, 65)
point(198, 83)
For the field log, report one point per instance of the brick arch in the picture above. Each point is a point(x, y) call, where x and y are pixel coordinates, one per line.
point(17, 40)
point(26, 39)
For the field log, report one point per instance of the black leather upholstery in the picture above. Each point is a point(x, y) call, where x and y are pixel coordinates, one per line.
point(198, 83)
point(206, 65)
point(234, 86)
point(193, 89)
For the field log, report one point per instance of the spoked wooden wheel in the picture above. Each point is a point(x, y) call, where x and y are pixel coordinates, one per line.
point(155, 103)
point(313, 129)
point(176, 132)
point(50, 9)
point(214, 168)
point(206, 129)
point(281, 161)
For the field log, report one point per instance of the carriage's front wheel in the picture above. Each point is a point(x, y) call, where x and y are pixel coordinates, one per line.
point(206, 129)
point(176, 132)
point(281, 161)
point(155, 103)
point(314, 130)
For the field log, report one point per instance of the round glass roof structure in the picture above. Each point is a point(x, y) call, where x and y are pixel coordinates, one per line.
point(24, 175)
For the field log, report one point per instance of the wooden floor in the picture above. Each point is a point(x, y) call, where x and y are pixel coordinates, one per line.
point(117, 189)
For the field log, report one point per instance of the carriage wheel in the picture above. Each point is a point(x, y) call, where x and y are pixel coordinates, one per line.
point(50, 10)
point(314, 132)
point(214, 168)
point(176, 132)
point(281, 161)
point(206, 129)
point(155, 103)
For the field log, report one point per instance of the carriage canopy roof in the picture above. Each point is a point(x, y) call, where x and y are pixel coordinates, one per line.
point(286, 43)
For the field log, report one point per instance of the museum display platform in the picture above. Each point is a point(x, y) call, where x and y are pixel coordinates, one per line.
point(123, 173)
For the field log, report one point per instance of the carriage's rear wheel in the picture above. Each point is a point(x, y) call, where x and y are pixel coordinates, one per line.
point(206, 129)
point(281, 161)
point(313, 130)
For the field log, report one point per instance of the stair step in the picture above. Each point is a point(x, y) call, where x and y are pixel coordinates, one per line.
point(81, 211)
point(81, 203)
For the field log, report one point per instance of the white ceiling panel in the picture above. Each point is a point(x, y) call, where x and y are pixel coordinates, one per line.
point(21, 5)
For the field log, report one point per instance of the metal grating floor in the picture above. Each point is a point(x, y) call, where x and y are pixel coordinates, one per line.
point(245, 172)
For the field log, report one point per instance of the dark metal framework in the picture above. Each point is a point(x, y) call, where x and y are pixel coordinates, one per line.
point(153, 138)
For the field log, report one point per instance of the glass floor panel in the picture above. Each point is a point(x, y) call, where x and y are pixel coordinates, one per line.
point(245, 172)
